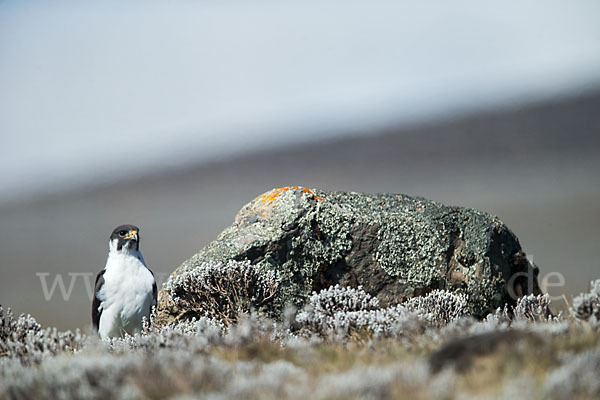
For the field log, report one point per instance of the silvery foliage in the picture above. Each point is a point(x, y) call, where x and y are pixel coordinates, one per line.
point(337, 298)
point(103, 375)
point(533, 313)
point(577, 377)
point(586, 306)
point(530, 313)
point(342, 310)
point(25, 340)
point(376, 382)
point(530, 308)
point(439, 307)
point(199, 335)
point(180, 359)
point(195, 336)
point(534, 308)
point(176, 361)
point(177, 373)
point(224, 291)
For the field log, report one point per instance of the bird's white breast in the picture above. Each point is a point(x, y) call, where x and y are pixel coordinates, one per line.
point(126, 296)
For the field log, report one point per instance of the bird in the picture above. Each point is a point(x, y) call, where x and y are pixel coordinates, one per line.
point(125, 290)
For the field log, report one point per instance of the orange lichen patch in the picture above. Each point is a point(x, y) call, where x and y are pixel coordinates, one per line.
point(265, 204)
point(269, 198)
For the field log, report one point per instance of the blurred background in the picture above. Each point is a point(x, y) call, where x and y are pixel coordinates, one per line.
point(173, 115)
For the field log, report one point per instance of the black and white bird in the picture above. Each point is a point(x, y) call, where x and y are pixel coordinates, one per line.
point(125, 289)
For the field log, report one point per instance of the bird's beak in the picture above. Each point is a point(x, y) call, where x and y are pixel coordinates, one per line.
point(132, 235)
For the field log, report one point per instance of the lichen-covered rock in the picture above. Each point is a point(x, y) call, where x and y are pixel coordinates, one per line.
point(394, 246)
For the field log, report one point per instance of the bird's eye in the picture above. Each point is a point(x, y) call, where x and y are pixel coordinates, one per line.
point(122, 233)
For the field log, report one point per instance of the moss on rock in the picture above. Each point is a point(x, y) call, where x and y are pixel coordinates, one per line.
point(394, 246)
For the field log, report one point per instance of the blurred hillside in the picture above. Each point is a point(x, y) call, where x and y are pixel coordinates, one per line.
point(536, 167)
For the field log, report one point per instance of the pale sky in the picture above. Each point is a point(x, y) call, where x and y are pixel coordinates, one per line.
point(88, 87)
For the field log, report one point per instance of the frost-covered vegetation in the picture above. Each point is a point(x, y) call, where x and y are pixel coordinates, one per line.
point(339, 310)
point(224, 291)
point(24, 339)
point(342, 344)
point(587, 305)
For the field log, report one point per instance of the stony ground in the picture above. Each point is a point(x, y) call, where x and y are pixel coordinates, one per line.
point(341, 345)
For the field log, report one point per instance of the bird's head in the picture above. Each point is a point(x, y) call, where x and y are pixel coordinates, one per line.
point(125, 238)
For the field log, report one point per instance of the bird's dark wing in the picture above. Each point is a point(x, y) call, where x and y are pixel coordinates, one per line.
point(154, 293)
point(96, 312)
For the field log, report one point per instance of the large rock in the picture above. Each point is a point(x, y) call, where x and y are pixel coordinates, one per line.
point(395, 246)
